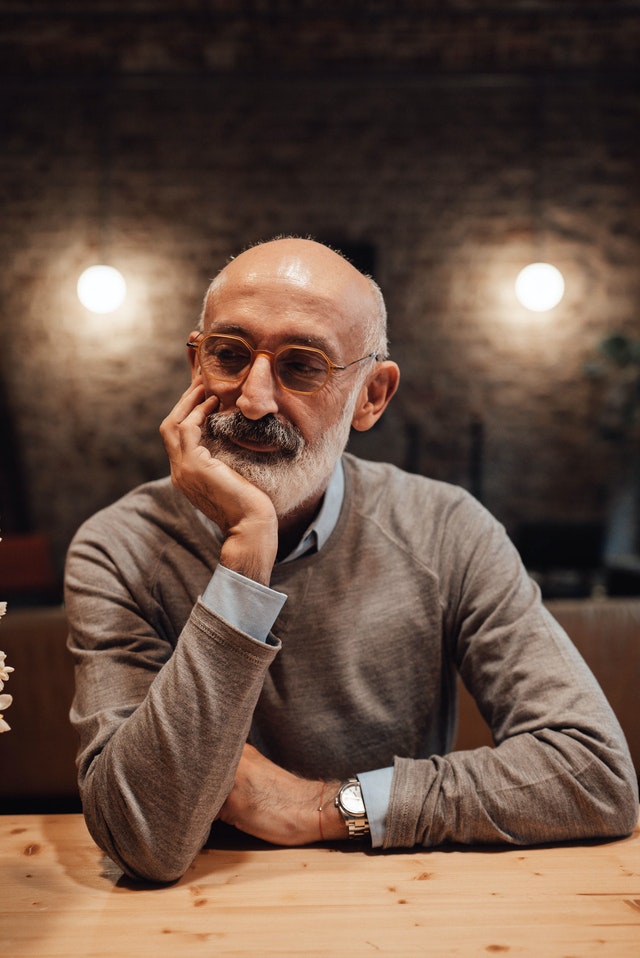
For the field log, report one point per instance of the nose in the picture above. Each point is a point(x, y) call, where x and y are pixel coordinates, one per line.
point(257, 395)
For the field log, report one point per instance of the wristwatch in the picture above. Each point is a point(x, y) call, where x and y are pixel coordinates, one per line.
point(350, 804)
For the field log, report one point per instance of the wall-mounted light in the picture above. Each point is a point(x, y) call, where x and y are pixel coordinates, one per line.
point(102, 289)
point(539, 287)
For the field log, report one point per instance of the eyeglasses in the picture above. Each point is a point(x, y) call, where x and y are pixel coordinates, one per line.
point(299, 369)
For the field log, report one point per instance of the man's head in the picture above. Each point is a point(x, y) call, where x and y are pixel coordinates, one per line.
point(284, 417)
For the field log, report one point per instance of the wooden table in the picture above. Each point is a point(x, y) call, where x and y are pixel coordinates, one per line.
point(60, 898)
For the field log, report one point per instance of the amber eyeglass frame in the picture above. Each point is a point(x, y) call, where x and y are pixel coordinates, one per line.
point(273, 358)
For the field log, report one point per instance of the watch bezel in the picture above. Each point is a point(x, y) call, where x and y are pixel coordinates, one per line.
point(350, 797)
point(356, 820)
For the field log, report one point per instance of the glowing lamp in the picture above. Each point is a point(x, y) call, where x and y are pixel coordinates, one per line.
point(102, 289)
point(539, 287)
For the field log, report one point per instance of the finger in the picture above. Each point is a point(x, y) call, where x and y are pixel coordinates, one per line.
point(182, 408)
point(189, 431)
point(191, 399)
point(202, 409)
point(188, 401)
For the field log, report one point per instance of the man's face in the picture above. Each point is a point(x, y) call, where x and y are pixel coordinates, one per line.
point(290, 476)
point(285, 443)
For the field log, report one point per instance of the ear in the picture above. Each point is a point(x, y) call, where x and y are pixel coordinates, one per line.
point(376, 395)
point(192, 354)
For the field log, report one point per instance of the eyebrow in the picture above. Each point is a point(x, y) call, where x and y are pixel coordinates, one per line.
point(234, 329)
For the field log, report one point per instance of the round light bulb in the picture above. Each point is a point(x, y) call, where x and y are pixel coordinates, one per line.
point(540, 287)
point(102, 289)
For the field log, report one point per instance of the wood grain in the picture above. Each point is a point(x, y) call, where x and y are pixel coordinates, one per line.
point(60, 898)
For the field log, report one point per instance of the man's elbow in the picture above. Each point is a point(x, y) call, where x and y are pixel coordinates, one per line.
point(615, 801)
point(142, 863)
point(624, 813)
point(134, 850)
point(146, 868)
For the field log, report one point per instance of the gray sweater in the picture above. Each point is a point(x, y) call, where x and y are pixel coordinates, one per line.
point(416, 584)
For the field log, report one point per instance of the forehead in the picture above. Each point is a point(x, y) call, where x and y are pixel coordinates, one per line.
point(289, 301)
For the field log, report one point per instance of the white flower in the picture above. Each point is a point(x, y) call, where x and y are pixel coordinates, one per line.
point(5, 702)
point(5, 671)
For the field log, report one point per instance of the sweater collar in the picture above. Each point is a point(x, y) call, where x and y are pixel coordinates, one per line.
point(318, 531)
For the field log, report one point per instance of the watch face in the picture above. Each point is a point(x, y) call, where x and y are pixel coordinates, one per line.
point(351, 799)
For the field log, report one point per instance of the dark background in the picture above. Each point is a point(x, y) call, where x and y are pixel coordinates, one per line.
point(446, 144)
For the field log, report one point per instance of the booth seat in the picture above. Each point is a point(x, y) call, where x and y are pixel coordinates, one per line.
point(607, 635)
point(37, 757)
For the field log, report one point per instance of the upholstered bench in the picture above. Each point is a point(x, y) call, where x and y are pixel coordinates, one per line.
point(37, 757)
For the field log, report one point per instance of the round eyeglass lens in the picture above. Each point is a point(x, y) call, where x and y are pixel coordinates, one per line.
point(302, 370)
point(224, 358)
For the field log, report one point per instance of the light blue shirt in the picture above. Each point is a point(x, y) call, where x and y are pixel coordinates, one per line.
point(254, 608)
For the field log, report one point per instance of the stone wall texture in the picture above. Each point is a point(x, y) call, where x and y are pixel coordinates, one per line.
point(459, 140)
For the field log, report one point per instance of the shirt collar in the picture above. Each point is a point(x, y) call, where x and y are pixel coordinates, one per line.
point(325, 522)
point(322, 526)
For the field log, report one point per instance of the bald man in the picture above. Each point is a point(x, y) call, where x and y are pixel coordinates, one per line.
point(272, 636)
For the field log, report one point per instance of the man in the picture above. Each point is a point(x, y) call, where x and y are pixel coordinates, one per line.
point(272, 637)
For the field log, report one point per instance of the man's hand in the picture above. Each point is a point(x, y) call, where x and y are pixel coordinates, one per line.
point(244, 513)
point(272, 804)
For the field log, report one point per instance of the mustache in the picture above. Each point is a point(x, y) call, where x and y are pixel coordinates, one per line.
point(268, 430)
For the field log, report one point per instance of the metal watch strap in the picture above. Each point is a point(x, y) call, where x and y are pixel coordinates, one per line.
point(358, 827)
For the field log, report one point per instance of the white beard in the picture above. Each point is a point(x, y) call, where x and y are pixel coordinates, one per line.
point(288, 480)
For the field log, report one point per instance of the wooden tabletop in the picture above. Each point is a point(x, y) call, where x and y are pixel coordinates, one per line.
point(61, 898)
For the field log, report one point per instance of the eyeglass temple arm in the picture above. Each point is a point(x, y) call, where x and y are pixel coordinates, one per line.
point(361, 360)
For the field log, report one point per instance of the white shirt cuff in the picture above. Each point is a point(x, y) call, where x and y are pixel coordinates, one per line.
point(247, 605)
point(376, 793)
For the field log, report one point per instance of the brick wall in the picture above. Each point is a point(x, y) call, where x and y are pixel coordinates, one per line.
point(461, 144)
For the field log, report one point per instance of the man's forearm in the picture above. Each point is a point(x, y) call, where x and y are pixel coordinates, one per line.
point(152, 792)
point(270, 803)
